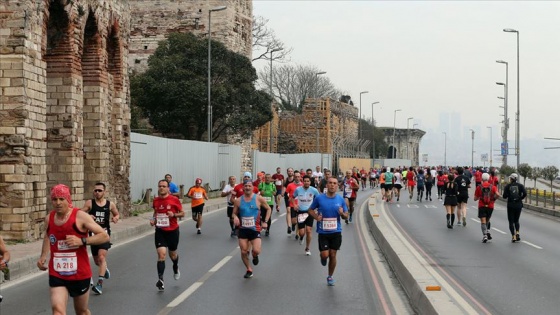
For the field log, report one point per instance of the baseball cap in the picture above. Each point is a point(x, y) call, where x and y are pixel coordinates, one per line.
point(247, 174)
point(485, 177)
point(513, 176)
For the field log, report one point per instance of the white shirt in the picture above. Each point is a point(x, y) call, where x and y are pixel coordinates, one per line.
point(317, 175)
point(226, 190)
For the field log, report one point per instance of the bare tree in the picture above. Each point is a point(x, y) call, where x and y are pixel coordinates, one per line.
point(266, 46)
point(292, 84)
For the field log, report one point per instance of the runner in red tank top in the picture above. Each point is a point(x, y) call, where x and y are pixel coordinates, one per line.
point(66, 239)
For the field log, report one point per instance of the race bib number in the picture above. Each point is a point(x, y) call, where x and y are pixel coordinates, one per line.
point(268, 199)
point(248, 222)
point(324, 190)
point(65, 263)
point(162, 220)
point(197, 195)
point(329, 224)
point(302, 217)
point(278, 183)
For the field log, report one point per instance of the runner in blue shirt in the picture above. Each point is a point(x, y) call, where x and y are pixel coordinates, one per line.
point(304, 196)
point(327, 209)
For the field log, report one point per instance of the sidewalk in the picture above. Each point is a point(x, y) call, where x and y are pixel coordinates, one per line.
point(24, 256)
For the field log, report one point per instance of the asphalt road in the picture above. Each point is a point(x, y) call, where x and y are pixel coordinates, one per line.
point(285, 281)
point(498, 277)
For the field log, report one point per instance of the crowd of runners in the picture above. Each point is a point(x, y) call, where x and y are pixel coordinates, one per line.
point(306, 195)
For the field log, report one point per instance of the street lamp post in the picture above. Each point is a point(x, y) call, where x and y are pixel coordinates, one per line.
point(445, 150)
point(490, 145)
point(506, 121)
point(394, 151)
point(317, 104)
point(373, 132)
point(220, 8)
point(517, 142)
point(360, 117)
point(272, 96)
point(408, 136)
point(472, 149)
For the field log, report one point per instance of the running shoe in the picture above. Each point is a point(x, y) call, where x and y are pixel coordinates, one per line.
point(297, 237)
point(98, 288)
point(484, 239)
point(301, 241)
point(517, 237)
point(198, 231)
point(449, 226)
point(459, 221)
point(256, 260)
point(350, 219)
point(232, 233)
point(248, 274)
point(289, 231)
point(177, 275)
point(464, 221)
point(489, 236)
point(307, 252)
point(346, 221)
point(513, 239)
point(330, 281)
point(107, 274)
point(160, 285)
point(323, 261)
point(267, 233)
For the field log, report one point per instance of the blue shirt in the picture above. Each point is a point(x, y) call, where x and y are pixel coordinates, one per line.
point(173, 189)
point(305, 197)
point(249, 214)
point(328, 208)
point(420, 180)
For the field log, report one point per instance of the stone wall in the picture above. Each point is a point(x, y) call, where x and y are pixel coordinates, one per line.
point(64, 113)
point(407, 143)
point(320, 121)
point(153, 20)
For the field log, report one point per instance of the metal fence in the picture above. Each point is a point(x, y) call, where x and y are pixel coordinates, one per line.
point(153, 157)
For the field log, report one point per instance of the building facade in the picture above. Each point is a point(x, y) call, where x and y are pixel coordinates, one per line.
point(405, 145)
point(64, 106)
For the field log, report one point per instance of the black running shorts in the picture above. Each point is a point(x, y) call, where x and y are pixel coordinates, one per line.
point(330, 241)
point(75, 287)
point(169, 239)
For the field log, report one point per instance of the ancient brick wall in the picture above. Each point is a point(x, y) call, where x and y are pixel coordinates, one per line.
point(320, 121)
point(64, 106)
point(153, 20)
point(406, 144)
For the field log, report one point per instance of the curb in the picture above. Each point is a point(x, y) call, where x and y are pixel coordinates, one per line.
point(412, 273)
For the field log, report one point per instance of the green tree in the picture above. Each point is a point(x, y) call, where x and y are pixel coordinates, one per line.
point(550, 173)
point(534, 175)
point(524, 170)
point(506, 170)
point(173, 93)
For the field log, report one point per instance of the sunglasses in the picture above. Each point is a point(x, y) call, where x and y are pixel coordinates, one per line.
point(98, 190)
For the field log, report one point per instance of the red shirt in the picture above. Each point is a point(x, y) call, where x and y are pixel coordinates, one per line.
point(68, 263)
point(161, 207)
point(478, 194)
point(410, 176)
point(441, 180)
point(478, 176)
point(278, 177)
point(290, 190)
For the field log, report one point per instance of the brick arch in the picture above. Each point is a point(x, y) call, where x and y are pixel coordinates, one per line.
point(115, 55)
point(64, 87)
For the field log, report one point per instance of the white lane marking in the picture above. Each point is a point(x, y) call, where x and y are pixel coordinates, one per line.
point(499, 231)
point(531, 244)
point(190, 290)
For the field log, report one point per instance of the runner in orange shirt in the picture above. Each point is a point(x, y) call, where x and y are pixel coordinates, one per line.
point(198, 194)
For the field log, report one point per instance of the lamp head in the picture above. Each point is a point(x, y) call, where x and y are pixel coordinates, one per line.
point(500, 83)
point(501, 61)
point(510, 30)
point(220, 8)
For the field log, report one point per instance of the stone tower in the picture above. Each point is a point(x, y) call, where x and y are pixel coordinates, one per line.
point(64, 114)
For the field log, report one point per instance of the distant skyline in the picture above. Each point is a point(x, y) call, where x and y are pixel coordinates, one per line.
point(434, 58)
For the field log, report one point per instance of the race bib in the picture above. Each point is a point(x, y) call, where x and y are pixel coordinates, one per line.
point(278, 183)
point(324, 190)
point(162, 220)
point(268, 199)
point(248, 222)
point(329, 224)
point(65, 264)
point(197, 195)
point(302, 217)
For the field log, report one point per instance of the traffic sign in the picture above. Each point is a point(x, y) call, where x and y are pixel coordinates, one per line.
point(504, 148)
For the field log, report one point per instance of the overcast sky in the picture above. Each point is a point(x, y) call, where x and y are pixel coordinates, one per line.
point(428, 58)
